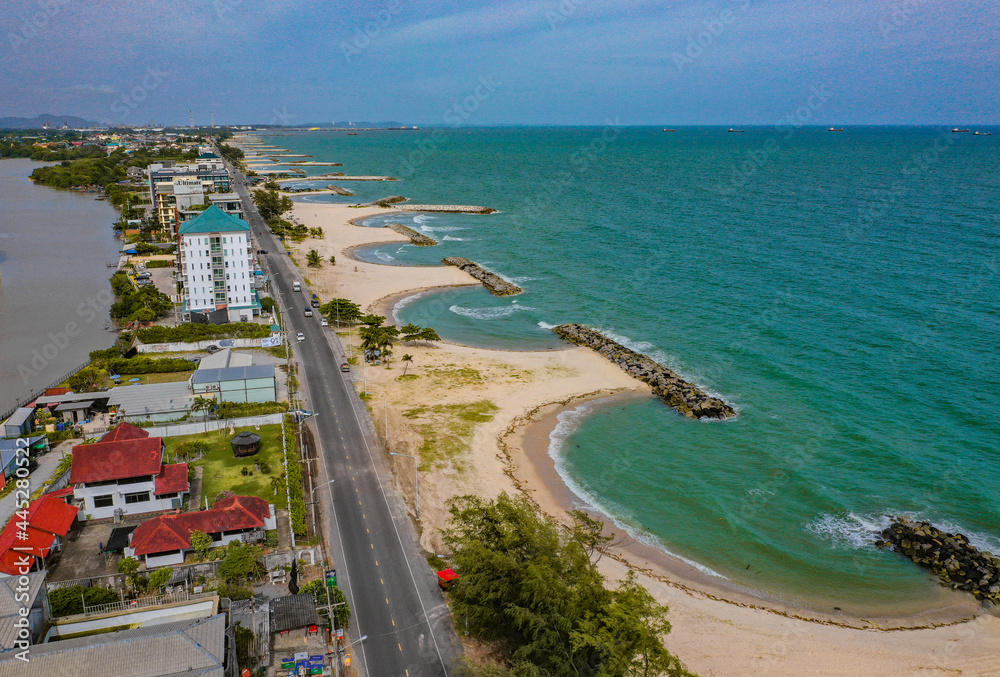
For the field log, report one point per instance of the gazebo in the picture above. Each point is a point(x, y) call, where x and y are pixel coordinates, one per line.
point(245, 444)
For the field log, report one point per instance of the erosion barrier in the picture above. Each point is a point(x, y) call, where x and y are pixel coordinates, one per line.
point(416, 238)
point(493, 282)
point(337, 190)
point(686, 398)
point(384, 202)
point(450, 209)
point(958, 563)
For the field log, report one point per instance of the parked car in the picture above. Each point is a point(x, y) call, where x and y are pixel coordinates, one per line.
point(261, 251)
point(300, 337)
point(345, 367)
point(324, 322)
point(212, 349)
point(196, 360)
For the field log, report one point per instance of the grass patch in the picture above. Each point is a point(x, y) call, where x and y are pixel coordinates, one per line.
point(451, 375)
point(447, 429)
point(222, 470)
point(407, 377)
point(278, 351)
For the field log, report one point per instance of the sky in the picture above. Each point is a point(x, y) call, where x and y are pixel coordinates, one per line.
point(545, 62)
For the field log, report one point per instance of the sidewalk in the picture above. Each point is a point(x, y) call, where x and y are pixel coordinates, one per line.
point(47, 465)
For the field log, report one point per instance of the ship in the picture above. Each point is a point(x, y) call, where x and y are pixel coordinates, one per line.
point(956, 130)
point(734, 130)
point(835, 129)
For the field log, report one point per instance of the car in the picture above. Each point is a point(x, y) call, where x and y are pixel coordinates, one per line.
point(308, 311)
point(300, 337)
point(261, 251)
point(213, 349)
point(324, 322)
point(194, 359)
point(345, 367)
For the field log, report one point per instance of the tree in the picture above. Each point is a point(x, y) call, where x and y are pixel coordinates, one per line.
point(86, 379)
point(128, 568)
point(267, 304)
point(201, 542)
point(270, 203)
point(372, 320)
point(242, 563)
point(341, 311)
point(313, 259)
point(412, 332)
point(204, 405)
point(159, 578)
point(376, 337)
point(341, 612)
point(406, 362)
point(532, 588)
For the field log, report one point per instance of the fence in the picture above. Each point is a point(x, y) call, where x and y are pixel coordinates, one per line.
point(132, 605)
point(212, 426)
point(180, 346)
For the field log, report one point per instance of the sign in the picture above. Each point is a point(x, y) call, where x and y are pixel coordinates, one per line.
point(270, 342)
point(331, 578)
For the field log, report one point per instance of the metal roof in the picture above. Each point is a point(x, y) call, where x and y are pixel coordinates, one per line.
point(20, 416)
point(73, 406)
point(213, 220)
point(10, 606)
point(293, 611)
point(156, 398)
point(73, 397)
point(226, 358)
point(195, 648)
point(233, 373)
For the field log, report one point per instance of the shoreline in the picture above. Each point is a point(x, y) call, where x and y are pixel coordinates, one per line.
point(716, 630)
point(536, 476)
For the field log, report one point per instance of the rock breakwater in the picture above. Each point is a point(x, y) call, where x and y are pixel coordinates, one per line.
point(958, 564)
point(450, 209)
point(385, 201)
point(687, 398)
point(416, 238)
point(493, 282)
point(337, 190)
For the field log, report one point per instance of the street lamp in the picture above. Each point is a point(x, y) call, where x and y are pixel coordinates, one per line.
point(416, 482)
point(343, 652)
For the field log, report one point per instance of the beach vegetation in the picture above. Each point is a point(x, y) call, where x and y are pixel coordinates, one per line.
point(411, 332)
point(270, 202)
point(447, 429)
point(317, 233)
point(375, 337)
point(313, 259)
point(407, 360)
point(531, 589)
point(333, 260)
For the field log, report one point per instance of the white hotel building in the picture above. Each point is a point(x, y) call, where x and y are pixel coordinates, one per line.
point(216, 266)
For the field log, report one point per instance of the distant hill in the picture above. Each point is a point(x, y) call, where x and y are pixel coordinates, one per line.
point(353, 123)
point(54, 121)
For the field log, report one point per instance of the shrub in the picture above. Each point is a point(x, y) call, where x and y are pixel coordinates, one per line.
point(150, 365)
point(190, 332)
point(234, 591)
point(159, 264)
point(69, 601)
point(271, 538)
point(298, 501)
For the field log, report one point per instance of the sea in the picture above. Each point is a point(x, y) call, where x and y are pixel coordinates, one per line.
point(54, 290)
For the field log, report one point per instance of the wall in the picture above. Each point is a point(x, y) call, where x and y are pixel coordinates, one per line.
point(179, 346)
point(210, 426)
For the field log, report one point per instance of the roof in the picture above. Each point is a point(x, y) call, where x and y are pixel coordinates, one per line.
point(226, 358)
point(36, 543)
point(73, 406)
point(52, 514)
point(10, 445)
point(447, 575)
point(156, 398)
point(194, 648)
point(20, 416)
point(293, 611)
point(124, 431)
point(173, 478)
point(72, 397)
point(233, 373)
point(213, 220)
point(11, 604)
point(116, 460)
point(173, 532)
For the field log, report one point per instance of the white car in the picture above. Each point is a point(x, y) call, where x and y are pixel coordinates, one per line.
point(324, 323)
point(301, 337)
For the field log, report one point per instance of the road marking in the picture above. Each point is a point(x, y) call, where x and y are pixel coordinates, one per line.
point(368, 531)
point(394, 625)
point(373, 546)
point(400, 647)
point(381, 581)
point(376, 562)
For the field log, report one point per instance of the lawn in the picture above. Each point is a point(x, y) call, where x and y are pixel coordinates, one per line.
point(223, 471)
point(447, 429)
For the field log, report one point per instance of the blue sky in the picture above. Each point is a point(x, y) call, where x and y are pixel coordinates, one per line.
point(516, 62)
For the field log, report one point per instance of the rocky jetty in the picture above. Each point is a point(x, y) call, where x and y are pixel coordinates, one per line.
point(384, 202)
point(956, 562)
point(686, 398)
point(337, 190)
point(416, 238)
point(450, 209)
point(493, 282)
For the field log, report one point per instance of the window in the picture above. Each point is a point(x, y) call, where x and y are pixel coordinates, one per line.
point(105, 501)
point(171, 495)
point(138, 497)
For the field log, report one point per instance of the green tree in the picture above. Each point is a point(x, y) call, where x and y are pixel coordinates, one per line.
point(201, 542)
point(407, 358)
point(535, 590)
point(270, 203)
point(342, 612)
point(68, 601)
point(313, 259)
point(343, 311)
point(87, 379)
point(159, 578)
point(411, 332)
point(333, 260)
point(128, 568)
point(242, 563)
point(205, 405)
point(372, 320)
point(267, 304)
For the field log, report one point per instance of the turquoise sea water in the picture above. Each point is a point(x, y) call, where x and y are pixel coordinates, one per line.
point(840, 289)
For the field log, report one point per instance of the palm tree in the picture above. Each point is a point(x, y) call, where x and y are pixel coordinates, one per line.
point(313, 259)
point(407, 358)
point(204, 405)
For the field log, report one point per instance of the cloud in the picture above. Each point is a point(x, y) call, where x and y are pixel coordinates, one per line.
point(90, 89)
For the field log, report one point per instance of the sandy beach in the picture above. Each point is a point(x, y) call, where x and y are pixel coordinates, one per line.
point(479, 421)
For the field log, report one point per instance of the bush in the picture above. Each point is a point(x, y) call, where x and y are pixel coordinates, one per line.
point(86, 379)
point(159, 264)
point(271, 538)
point(191, 332)
point(242, 563)
point(69, 601)
point(319, 592)
point(238, 409)
point(234, 591)
point(150, 365)
point(298, 503)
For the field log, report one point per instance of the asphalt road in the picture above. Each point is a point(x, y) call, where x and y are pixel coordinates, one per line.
point(393, 594)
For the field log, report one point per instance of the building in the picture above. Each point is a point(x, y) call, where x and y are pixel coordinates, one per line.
point(117, 477)
point(25, 545)
point(10, 452)
point(13, 598)
point(22, 421)
point(178, 191)
point(156, 402)
point(195, 648)
point(165, 540)
point(216, 266)
point(255, 383)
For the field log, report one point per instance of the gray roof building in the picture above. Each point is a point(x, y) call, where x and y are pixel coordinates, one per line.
point(157, 401)
point(10, 607)
point(193, 648)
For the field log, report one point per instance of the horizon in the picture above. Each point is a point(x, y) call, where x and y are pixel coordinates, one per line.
point(515, 63)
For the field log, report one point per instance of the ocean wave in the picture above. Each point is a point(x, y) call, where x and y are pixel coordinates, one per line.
point(854, 531)
point(520, 279)
point(440, 229)
point(423, 218)
point(568, 423)
point(402, 303)
point(546, 325)
point(382, 256)
point(488, 313)
point(449, 238)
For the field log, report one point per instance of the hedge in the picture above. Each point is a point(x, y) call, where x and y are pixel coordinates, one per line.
point(238, 409)
point(298, 504)
point(150, 365)
point(191, 332)
point(159, 264)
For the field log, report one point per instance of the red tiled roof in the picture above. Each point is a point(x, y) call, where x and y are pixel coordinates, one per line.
point(173, 532)
point(62, 493)
point(37, 544)
point(173, 478)
point(56, 391)
point(52, 514)
point(116, 460)
point(124, 431)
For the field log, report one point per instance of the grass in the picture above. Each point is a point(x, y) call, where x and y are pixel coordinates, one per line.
point(222, 469)
point(451, 375)
point(447, 429)
point(278, 351)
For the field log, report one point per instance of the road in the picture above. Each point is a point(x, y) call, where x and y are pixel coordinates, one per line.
point(393, 593)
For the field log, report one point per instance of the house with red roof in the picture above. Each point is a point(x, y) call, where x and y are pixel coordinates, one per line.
point(25, 544)
point(124, 474)
point(165, 540)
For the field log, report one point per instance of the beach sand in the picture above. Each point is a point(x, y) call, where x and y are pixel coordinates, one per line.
point(479, 420)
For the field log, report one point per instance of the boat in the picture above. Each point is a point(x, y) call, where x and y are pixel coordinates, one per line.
point(956, 130)
point(835, 129)
point(669, 130)
point(982, 133)
point(734, 130)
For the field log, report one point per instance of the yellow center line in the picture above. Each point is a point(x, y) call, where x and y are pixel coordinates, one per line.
point(400, 648)
point(386, 600)
point(381, 581)
point(394, 624)
point(376, 562)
